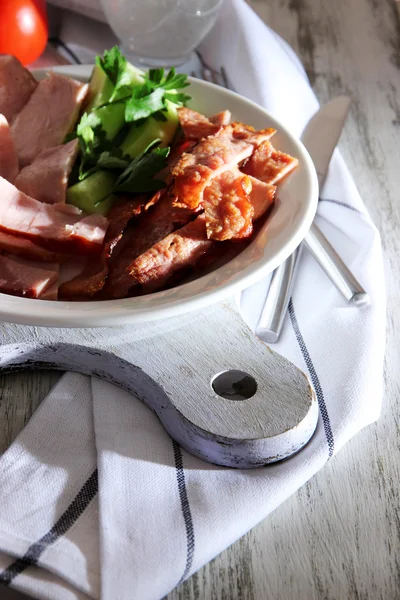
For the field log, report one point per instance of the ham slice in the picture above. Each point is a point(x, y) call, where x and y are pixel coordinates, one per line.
point(211, 157)
point(26, 249)
point(27, 280)
point(179, 250)
point(48, 116)
point(228, 210)
point(48, 293)
point(8, 155)
point(151, 228)
point(56, 227)
point(92, 279)
point(46, 178)
point(51, 293)
point(16, 86)
point(270, 165)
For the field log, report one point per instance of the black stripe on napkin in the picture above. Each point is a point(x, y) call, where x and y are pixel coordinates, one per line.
point(314, 379)
point(187, 514)
point(64, 523)
point(340, 203)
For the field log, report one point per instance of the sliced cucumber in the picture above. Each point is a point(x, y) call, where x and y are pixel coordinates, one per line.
point(93, 194)
point(140, 137)
point(100, 89)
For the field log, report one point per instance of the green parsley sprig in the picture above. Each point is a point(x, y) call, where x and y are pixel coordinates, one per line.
point(142, 101)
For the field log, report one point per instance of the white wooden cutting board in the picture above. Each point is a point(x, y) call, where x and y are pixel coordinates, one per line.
point(173, 366)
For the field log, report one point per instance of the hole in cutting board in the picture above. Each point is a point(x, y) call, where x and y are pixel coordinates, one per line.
point(234, 385)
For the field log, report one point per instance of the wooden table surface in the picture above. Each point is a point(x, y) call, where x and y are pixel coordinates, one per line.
point(339, 536)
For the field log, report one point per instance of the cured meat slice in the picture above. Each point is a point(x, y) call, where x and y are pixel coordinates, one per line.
point(57, 227)
point(51, 293)
point(17, 85)
point(50, 113)
point(211, 157)
point(152, 227)
point(92, 280)
point(221, 118)
point(26, 249)
point(232, 202)
point(261, 196)
point(195, 125)
point(181, 249)
point(270, 165)
point(228, 210)
point(8, 155)
point(21, 279)
point(46, 178)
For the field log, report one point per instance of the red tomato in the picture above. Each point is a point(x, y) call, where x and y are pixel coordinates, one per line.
point(23, 29)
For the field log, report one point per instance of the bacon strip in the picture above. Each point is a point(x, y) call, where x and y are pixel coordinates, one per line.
point(261, 196)
point(211, 157)
point(232, 202)
point(195, 125)
point(270, 165)
point(221, 118)
point(228, 210)
point(152, 226)
point(178, 250)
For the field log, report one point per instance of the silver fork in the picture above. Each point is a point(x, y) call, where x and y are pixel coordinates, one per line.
point(277, 301)
point(218, 77)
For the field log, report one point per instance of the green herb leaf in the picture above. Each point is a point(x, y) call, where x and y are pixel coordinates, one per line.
point(86, 130)
point(177, 97)
point(92, 143)
point(139, 175)
point(142, 106)
point(155, 75)
point(113, 64)
point(111, 162)
point(175, 81)
point(171, 81)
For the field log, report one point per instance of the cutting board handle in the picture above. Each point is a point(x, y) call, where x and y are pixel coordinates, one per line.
point(219, 391)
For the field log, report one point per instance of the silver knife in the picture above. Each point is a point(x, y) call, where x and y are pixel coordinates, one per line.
point(320, 138)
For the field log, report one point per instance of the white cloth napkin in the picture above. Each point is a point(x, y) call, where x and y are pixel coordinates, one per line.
point(96, 500)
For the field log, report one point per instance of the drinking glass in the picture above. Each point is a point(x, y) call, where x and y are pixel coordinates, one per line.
point(160, 33)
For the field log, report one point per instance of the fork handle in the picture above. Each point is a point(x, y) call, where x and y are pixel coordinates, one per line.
point(273, 315)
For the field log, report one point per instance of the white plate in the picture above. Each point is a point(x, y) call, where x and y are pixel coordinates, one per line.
point(285, 229)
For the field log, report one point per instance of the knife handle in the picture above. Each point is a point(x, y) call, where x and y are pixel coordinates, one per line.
point(334, 267)
point(273, 315)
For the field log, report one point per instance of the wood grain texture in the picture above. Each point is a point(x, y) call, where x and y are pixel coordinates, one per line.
point(339, 536)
